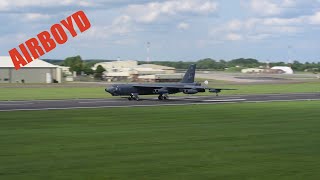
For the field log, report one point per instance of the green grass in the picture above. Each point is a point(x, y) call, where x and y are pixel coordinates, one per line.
point(52, 93)
point(231, 141)
point(98, 92)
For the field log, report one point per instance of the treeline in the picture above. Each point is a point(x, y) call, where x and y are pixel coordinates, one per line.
point(80, 66)
point(235, 64)
point(211, 64)
point(77, 64)
point(315, 67)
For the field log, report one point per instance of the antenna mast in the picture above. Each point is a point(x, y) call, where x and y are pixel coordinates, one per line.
point(148, 51)
point(289, 56)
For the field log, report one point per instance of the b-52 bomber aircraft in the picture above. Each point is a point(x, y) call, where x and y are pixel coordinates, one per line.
point(186, 86)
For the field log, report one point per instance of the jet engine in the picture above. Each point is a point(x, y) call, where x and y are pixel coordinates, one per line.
point(160, 91)
point(190, 91)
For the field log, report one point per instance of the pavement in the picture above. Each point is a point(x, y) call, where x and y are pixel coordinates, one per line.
point(144, 102)
point(258, 78)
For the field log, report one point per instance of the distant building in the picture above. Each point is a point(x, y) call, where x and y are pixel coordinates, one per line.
point(115, 65)
point(161, 78)
point(131, 71)
point(274, 70)
point(117, 76)
point(252, 70)
point(285, 69)
point(65, 70)
point(66, 73)
point(166, 69)
point(37, 71)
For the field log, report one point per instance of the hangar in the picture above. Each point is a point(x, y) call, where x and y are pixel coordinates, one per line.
point(161, 78)
point(131, 71)
point(116, 65)
point(285, 69)
point(165, 69)
point(37, 71)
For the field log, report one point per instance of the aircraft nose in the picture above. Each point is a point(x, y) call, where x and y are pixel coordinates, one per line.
point(110, 90)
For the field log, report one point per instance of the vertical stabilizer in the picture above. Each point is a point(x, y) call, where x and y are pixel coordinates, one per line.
point(189, 76)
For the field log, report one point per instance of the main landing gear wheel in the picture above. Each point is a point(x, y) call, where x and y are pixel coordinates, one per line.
point(163, 97)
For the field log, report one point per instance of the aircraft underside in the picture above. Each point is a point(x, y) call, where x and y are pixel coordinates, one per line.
point(162, 96)
point(135, 97)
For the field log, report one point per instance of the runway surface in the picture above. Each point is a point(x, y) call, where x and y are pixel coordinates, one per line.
point(123, 102)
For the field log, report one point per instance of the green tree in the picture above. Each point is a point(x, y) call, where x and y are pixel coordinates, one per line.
point(99, 72)
point(75, 63)
point(87, 69)
point(205, 64)
point(250, 63)
point(297, 66)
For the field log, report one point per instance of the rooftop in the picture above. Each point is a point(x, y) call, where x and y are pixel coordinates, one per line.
point(154, 66)
point(5, 61)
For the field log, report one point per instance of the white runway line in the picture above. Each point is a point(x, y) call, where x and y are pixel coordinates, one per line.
point(279, 96)
point(15, 104)
point(92, 102)
point(291, 100)
point(203, 97)
point(223, 100)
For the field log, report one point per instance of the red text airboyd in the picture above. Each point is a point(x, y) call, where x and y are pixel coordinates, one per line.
point(46, 41)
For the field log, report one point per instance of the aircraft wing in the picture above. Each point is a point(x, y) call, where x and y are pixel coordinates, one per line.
point(177, 87)
point(155, 86)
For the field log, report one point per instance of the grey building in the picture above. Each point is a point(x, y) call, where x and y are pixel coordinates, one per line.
point(37, 71)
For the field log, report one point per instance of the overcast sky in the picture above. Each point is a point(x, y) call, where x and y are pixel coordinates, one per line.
point(177, 29)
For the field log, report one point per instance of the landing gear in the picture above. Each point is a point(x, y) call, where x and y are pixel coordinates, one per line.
point(134, 97)
point(163, 97)
point(217, 94)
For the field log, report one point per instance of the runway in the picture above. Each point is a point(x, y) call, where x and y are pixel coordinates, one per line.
point(150, 101)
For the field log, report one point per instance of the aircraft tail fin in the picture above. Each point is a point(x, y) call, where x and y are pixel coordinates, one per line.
point(189, 76)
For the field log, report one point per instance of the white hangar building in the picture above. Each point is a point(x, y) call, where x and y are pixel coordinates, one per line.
point(130, 70)
point(285, 69)
point(37, 71)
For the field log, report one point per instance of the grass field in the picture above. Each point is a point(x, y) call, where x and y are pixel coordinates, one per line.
point(231, 141)
point(98, 92)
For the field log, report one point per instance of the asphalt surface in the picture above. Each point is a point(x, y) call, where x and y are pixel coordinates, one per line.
point(123, 102)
